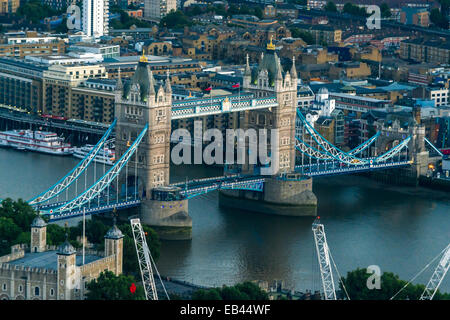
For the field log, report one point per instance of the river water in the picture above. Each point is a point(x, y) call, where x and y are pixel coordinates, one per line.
point(400, 229)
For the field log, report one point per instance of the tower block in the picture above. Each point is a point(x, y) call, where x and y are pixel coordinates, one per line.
point(138, 102)
point(285, 192)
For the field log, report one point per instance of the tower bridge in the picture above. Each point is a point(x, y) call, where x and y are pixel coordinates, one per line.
point(140, 177)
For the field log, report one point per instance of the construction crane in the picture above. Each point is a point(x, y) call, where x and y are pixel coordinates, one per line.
point(437, 277)
point(324, 260)
point(143, 254)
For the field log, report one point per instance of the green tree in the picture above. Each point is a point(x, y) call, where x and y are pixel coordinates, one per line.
point(9, 231)
point(35, 11)
point(306, 36)
point(242, 291)
point(175, 19)
point(438, 18)
point(445, 6)
point(390, 284)
point(354, 10)
point(385, 10)
point(330, 7)
point(19, 211)
point(55, 234)
point(108, 286)
point(210, 294)
point(130, 260)
point(300, 2)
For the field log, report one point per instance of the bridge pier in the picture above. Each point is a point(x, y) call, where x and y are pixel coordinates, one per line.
point(167, 213)
point(286, 195)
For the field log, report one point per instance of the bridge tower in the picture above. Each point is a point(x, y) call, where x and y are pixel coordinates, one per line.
point(138, 102)
point(285, 192)
point(269, 79)
point(392, 132)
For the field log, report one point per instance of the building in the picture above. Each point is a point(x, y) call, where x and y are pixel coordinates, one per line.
point(59, 82)
point(9, 6)
point(57, 4)
point(95, 17)
point(322, 34)
point(105, 50)
point(40, 272)
point(21, 84)
point(432, 51)
point(439, 95)
point(20, 50)
point(415, 16)
point(286, 10)
point(157, 9)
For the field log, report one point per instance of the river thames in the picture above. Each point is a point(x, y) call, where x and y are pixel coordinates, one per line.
point(400, 229)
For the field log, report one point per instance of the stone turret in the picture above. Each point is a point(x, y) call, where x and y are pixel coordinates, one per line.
point(38, 235)
point(114, 246)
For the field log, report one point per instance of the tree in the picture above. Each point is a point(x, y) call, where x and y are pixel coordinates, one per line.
point(211, 294)
point(385, 10)
point(390, 284)
point(130, 260)
point(354, 10)
point(306, 36)
point(241, 291)
point(55, 234)
point(35, 11)
point(9, 232)
point(19, 211)
point(108, 286)
point(175, 19)
point(438, 18)
point(330, 7)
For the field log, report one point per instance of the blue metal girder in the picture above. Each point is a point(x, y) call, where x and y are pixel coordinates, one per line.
point(73, 175)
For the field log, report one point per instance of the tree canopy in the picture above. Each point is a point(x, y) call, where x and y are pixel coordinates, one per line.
point(390, 284)
point(306, 36)
point(15, 221)
point(439, 19)
point(108, 286)
point(242, 291)
point(330, 7)
point(385, 10)
point(35, 11)
point(175, 19)
point(354, 10)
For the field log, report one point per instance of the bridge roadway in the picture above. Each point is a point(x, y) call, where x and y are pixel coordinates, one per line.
point(335, 168)
point(180, 110)
point(197, 187)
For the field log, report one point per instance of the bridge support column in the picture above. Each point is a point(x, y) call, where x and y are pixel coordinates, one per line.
point(286, 195)
point(170, 219)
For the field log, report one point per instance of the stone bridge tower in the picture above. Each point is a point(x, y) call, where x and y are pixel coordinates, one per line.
point(269, 79)
point(392, 133)
point(138, 102)
point(285, 193)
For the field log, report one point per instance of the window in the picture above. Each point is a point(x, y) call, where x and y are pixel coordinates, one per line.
point(36, 291)
point(52, 292)
point(20, 288)
point(4, 287)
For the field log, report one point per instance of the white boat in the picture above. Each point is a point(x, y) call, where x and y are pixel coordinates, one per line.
point(39, 141)
point(104, 155)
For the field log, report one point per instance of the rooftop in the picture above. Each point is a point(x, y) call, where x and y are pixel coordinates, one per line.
point(48, 260)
